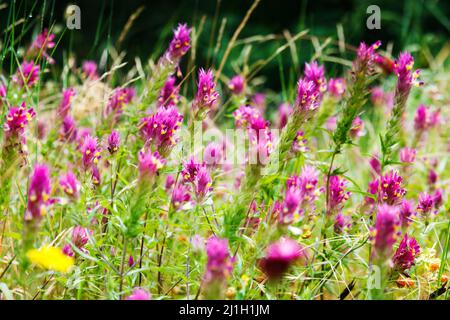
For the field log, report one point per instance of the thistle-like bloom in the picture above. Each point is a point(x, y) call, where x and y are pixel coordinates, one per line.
point(316, 74)
point(140, 294)
point(38, 193)
point(160, 128)
point(90, 69)
point(169, 96)
point(307, 96)
point(203, 183)
point(237, 85)
point(341, 223)
point(17, 120)
point(180, 195)
point(69, 184)
point(425, 205)
point(280, 256)
point(68, 131)
point(403, 68)
point(181, 42)
point(337, 87)
point(64, 106)
point(27, 74)
point(406, 253)
point(206, 97)
point(149, 164)
point(357, 128)
point(117, 101)
point(337, 194)
point(300, 143)
point(91, 152)
point(220, 262)
point(113, 142)
point(385, 233)
point(406, 212)
point(284, 112)
point(407, 155)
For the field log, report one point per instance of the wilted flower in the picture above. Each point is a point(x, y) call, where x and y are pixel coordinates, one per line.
point(27, 74)
point(113, 142)
point(407, 155)
point(149, 164)
point(139, 294)
point(406, 253)
point(180, 43)
point(280, 256)
point(64, 107)
point(284, 112)
point(385, 231)
point(337, 194)
point(90, 69)
point(169, 96)
point(160, 128)
point(38, 193)
point(337, 87)
point(69, 184)
point(206, 97)
point(90, 151)
point(237, 85)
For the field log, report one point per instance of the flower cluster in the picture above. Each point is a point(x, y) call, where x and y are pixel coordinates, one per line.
point(337, 194)
point(180, 43)
point(385, 233)
point(237, 85)
point(220, 262)
point(80, 237)
point(149, 164)
point(17, 120)
point(169, 95)
point(66, 101)
point(38, 193)
point(387, 189)
point(117, 101)
point(27, 74)
point(207, 96)
point(406, 253)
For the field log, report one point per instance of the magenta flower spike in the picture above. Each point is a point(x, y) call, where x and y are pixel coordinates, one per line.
point(90, 69)
point(206, 97)
point(316, 74)
point(425, 205)
point(366, 58)
point(213, 154)
point(27, 74)
point(180, 195)
point(169, 95)
point(300, 143)
point(17, 120)
point(388, 188)
point(113, 142)
point(68, 131)
point(406, 213)
point(337, 87)
point(90, 151)
point(66, 102)
point(404, 257)
point(180, 43)
point(407, 155)
point(220, 262)
point(38, 193)
point(337, 194)
point(237, 85)
point(284, 112)
point(118, 100)
point(307, 96)
point(385, 232)
point(203, 183)
point(41, 44)
point(403, 68)
point(421, 119)
point(149, 164)
point(69, 184)
point(280, 256)
point(341, 223)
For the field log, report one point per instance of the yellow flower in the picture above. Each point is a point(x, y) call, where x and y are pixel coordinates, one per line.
point(51, 258)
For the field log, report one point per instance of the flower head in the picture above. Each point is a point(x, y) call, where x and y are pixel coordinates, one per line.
point(407, 155)
point(366, 58)
point(169, 96)
point(140, 294)
point(403, 68)
point(160, 128)
point(341, 223)
point(68, 131)
point(203, 182)
point(113, 142)
point(421, 118)
point(17, 120)
point(316, 74)
point(337, 87)
point(406, 253)
point(307, 96)
point(220, 263)
point(27, 74)
point(280, 256)
point(66, 102)
point(357, 128)
point(284, 112)
point(180, 195)
point(385, 230)
point(206, 97)
point(149, 164)
point(213, 153)
point(300, 143)
point(180, 43)
point(426, 204)
point(38, 193)
point(237, 84)
point(90, 151)
point(42, 43)
point(406, 212)
point(388, 188)
point(69, 184)
point(117, 101)
point(90, 69)
point(337, 193)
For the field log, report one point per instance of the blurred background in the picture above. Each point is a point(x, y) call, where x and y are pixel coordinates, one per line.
point(423, 27)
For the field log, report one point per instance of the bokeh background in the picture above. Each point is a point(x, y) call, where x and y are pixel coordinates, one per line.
point(423, 27)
